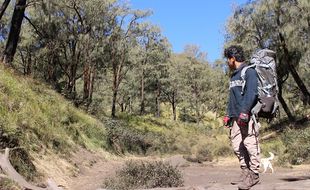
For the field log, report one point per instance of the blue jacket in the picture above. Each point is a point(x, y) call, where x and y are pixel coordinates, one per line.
point(238, 102)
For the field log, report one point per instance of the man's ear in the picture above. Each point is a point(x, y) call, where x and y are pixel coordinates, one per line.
point(233, 59)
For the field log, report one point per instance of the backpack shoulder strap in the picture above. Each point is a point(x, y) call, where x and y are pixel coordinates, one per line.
point(243, 75)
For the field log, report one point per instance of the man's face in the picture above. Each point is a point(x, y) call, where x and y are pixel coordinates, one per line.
point(231, 62)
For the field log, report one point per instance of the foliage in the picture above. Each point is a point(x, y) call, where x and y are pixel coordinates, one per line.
point(35, 118)
point(102, 52)
point(104, 58)
point(145, 174)
point(297, 146)
point(123, 139)
point(6, 184)
point(148, 136)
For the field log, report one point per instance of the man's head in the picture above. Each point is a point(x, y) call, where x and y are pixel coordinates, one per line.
point(235, 56)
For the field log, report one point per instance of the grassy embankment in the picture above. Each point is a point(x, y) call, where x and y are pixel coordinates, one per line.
point(36, 121)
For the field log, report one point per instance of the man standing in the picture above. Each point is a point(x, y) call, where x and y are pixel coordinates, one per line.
point(243, 131)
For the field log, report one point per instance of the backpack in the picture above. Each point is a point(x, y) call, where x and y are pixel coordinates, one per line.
point(263, 61)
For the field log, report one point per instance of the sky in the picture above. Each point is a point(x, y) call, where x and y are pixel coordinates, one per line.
point(197, 22)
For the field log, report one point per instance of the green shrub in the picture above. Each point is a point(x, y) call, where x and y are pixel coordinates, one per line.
point(123, 138)
point(297, 143)
point(223, 150)
point(21, 161)
point(187, 116)
point(144, 174)
point(6, 184)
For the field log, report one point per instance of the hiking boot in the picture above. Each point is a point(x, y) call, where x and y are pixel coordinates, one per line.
point(250, 180)
point(244, 172)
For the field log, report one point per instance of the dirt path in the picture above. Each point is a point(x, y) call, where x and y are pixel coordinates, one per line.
point(219, 178)
point(210, 176)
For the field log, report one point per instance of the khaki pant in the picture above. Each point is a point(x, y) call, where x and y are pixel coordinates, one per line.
point(246, 146)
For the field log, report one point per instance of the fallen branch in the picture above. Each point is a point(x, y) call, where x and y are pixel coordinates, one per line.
point(270, 135)
point(11, 173)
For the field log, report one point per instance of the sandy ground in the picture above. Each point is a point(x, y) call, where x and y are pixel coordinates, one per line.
point(90, 170)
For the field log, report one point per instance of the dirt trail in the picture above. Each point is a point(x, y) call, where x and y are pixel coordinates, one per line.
point(92, 170)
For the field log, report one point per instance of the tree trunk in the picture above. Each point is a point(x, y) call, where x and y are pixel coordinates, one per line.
point(174, 111)
point(92, 82)
point(158, 93)
point(122, 105)
point(72, 75)
point(113, 113)
point(5, 4)
point(51, 76)
point(23, 61)
point(288, 59)
point(115, 90)
point(284, 105)
point(286, 109)
point(196, 94)
point(174, 106)
point(197, 111)
point(300, 84)
point(89, 79)
point(142, 104)
point(28, 63)
point(86, 77)
point(16, 23)
point(129, 105)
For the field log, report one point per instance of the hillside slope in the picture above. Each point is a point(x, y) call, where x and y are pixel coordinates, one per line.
point(36, 122)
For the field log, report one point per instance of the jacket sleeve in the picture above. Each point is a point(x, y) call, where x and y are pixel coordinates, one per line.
point(250, 92)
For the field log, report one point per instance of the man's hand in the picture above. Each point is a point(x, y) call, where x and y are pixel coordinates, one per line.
point(243, 119)
point(226, 121)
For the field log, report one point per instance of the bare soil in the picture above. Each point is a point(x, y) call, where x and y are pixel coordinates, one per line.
point(88, 171)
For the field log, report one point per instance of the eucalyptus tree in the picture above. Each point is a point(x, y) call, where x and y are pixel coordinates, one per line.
point(78, 43)
point(15, 28)
point(154, 51)
point(219, 84)
point(3, 7)
point(5, 25)
point(70, 40)
point(279, 25)
point(174, 83)
point(197, 82)
point(121, 44)
point(97, 18)
point(158, 70)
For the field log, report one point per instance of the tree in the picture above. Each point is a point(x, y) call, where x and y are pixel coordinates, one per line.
point(16, 23)
point(174, 83)
point(197, 82)
point(121, 42)
point(69, 39)
point(3, 7)
point(153, 55)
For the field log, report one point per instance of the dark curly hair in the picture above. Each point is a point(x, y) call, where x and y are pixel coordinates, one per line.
point(236, 52)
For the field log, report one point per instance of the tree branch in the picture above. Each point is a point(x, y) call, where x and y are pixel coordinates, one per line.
point(35, 28)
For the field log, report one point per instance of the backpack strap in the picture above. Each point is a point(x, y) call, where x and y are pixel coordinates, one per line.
point(243, 76)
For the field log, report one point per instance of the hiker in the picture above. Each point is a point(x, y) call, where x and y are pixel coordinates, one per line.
point(243, 131)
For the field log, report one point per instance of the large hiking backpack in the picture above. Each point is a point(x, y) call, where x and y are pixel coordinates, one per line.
point(263, 61)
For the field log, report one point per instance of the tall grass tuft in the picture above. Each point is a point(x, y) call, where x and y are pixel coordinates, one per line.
point(143, 174)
